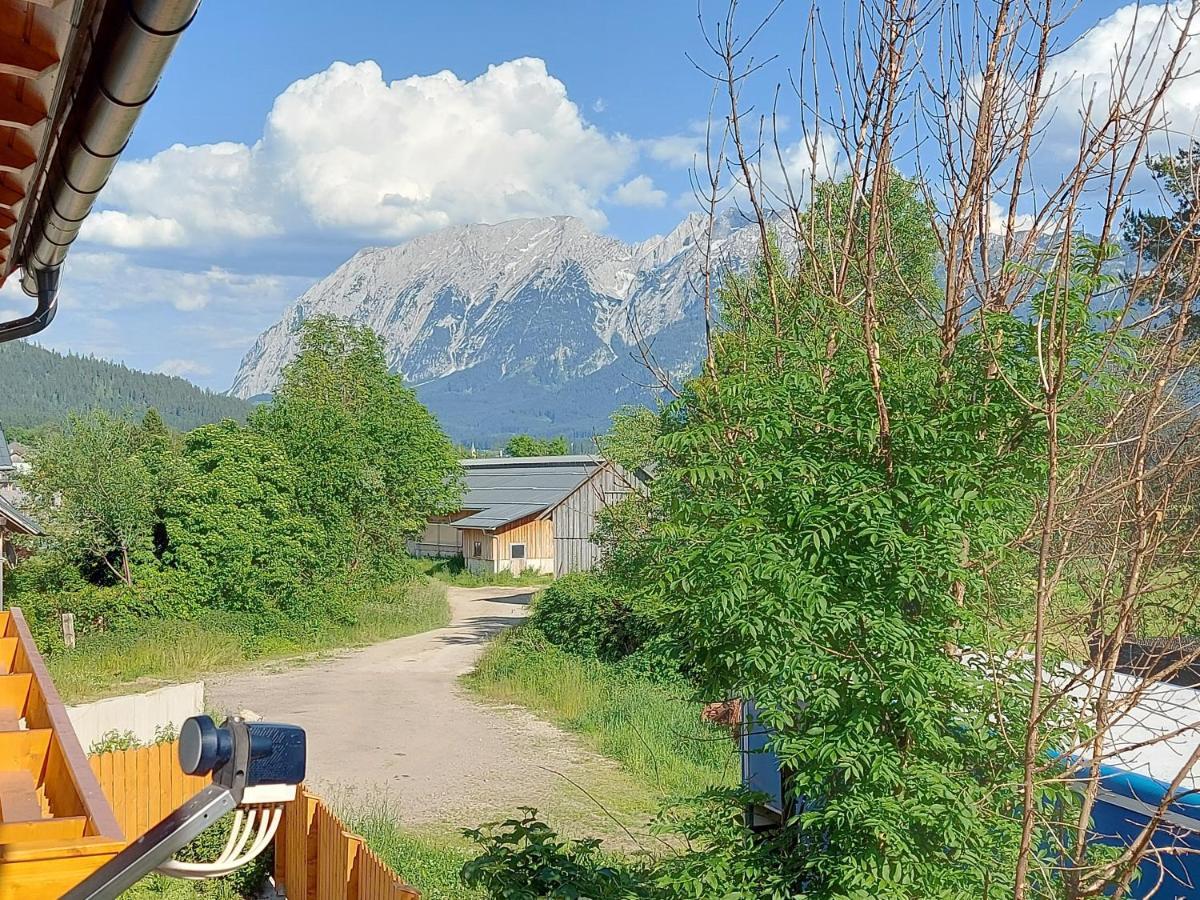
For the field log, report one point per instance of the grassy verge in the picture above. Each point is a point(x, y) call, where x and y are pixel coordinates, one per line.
point(430, 863)
point(651, 729)
point(174, 651)
point(453, 571)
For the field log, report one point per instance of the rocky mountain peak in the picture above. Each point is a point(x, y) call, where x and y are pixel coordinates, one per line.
point(521, 318)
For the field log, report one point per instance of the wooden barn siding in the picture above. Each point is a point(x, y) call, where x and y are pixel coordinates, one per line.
point(575, 520)
point(470, 536)
point(536, 534)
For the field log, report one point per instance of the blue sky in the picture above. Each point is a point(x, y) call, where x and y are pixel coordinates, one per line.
point(286, 134)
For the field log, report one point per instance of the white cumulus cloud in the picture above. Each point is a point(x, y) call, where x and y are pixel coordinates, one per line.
point(639, 191)
point(112, 281)
point(184, 368)
point(345, 151)
point(678, 150)
point(1124, 57)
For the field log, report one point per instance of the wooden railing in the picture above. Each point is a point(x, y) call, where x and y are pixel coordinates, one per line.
point(56, 827)
point(316, 858)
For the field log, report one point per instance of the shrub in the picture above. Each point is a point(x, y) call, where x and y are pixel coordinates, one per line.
point(524, 858)
point(585, 615)
point(114, 740)
point(720, 857)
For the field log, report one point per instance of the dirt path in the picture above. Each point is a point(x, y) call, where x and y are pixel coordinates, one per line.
point(391, 723)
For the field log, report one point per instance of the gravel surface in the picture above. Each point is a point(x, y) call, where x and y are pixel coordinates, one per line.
point(390, 723)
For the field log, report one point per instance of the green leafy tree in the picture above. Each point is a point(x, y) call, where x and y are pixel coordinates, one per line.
point(527, 445)
point(1168, 239)
point(95, 494)
point(235, 529)
point(804, 557)
point(153, 425)
point(375, 463)
point(630, 441)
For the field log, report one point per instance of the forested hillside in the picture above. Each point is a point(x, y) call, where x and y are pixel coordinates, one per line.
point(39, 386)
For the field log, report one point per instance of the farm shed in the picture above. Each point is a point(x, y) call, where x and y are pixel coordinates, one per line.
point(534, 513)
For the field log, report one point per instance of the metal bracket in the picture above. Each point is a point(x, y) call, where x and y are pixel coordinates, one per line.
point(156, 846)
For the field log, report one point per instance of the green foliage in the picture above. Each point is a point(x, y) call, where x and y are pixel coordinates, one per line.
point(527, 445)
point(796, 553)
point(586, 615)
point(95, 494)
point(279, 536)
point(236, 533)
point(808, 577)
point(1168, 239)
point(249, 880)
point(720, 857)
point(53, 386)
point(453, 570)
point(631, 441)
point(127, 740)
point(524, 859)
point(376, 465)
point(431, 863)
point(726, 859)
point(114, 740)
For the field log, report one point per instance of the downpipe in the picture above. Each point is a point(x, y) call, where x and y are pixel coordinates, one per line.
point(126, 74)
point(42, 315)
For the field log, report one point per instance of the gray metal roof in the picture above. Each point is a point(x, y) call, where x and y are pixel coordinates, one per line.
point(17, 518)
point(504, 490)
point(6, 462)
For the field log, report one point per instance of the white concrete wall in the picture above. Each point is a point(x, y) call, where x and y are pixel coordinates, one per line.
point(139, 713)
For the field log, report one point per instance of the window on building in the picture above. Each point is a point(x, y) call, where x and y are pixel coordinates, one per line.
point(477, 549)
point(516, 551)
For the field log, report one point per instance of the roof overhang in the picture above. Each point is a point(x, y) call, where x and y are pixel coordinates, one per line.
point(13, 519)
point(497, 517)
point(74, 77)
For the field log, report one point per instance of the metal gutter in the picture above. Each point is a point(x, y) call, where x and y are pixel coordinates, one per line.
point(121, 80)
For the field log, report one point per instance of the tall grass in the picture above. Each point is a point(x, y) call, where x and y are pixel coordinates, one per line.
point(428, 863)
point(650, 728)
point(454, 571)
point(174, 651)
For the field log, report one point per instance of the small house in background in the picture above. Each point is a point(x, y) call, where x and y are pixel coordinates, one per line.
point(12, 519)
point(528, 513)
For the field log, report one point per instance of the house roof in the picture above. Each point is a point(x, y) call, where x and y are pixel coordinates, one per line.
point(501, 491)
point(17, 520)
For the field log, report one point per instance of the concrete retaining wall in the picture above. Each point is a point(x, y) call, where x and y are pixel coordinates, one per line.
point(140, 713)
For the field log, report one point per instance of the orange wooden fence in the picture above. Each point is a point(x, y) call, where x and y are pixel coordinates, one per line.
point(143, 785)
point(316, 858)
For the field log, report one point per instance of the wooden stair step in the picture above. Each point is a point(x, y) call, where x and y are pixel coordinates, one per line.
point(26, 751)
point(18, 798)
point(8, 647)
point(14, 691)
point(10, 719)
point(66, 828)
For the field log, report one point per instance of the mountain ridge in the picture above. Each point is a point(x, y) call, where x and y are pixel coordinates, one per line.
point(44, 386)
point(535, 324)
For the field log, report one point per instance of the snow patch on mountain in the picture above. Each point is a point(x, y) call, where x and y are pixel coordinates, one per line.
point(525, 313)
